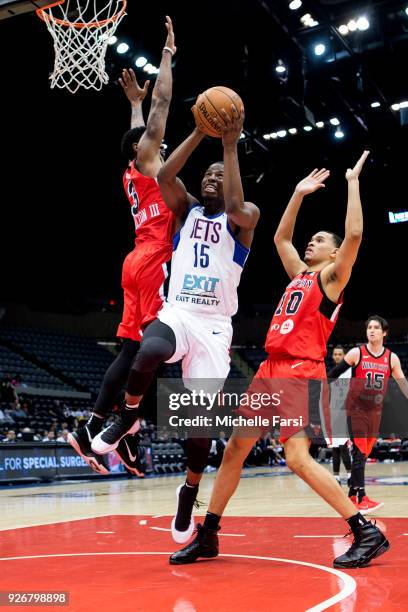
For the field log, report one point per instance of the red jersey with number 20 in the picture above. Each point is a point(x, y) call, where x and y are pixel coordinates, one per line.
point(303, 320)
point(153, 220)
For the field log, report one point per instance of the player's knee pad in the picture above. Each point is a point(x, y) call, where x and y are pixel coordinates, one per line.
point(197, 451)
point(157, 346)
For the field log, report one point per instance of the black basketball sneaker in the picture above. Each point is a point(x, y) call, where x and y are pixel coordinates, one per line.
point(204, 545)
point(127, 422)
point(369, 543)
point(81, 441)
point(128, 453)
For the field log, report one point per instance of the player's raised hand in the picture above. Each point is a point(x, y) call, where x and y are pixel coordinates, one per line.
point(231, 128)
point(354, 173)
point(131, 87)
point(170, 35)
point(312, 182)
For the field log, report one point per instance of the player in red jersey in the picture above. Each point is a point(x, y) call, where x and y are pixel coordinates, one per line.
point(145, 268)
point(296, 345)
point(372, 365)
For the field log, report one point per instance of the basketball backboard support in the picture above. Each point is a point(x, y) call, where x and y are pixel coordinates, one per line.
point(13, 8)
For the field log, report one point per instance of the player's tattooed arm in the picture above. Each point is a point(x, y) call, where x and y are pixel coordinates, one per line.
point(173, 190)
point(243, 214)
point(398, 374)
point(336, 276)
point(135, 94)
point(148, 154)
point(283, 238)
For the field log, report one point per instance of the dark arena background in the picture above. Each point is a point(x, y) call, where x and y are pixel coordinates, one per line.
point(321, 81)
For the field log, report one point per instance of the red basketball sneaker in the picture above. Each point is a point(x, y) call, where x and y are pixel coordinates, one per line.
point(368, 505)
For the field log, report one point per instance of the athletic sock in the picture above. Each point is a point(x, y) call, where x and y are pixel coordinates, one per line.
point(356, 522)
point(212, 521)
point(94, 424)
point(353, 491)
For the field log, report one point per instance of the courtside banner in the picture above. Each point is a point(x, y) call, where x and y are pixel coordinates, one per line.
point(40, 461)
point(340, 408)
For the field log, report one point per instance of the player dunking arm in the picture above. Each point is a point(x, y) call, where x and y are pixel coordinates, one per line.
point(296, 343)
point(144, 269)
point(372, 365)
point(194, 325)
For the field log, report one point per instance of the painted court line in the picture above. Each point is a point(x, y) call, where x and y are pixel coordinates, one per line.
point(349, 584)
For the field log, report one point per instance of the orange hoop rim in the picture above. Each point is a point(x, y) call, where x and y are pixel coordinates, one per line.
point(92, 24)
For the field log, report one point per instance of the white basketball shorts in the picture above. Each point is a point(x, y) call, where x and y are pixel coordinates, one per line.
point(202, 343)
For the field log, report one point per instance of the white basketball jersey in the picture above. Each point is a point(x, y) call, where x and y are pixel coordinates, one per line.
point(206, 265)
point(338, 394)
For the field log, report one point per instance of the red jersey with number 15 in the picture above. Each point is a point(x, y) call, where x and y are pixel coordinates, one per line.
point(372, 373)
point(303, 320)
point(153, 220)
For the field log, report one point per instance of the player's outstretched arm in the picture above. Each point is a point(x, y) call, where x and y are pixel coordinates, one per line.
point(338, 273)
point(135, 94)
point(350, 360)
point(241, 213)
point(290, 258)
point(174, 193)
point(398, 374)
point(149, 145)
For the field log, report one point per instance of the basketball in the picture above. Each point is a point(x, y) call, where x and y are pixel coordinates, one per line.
point(208, 107)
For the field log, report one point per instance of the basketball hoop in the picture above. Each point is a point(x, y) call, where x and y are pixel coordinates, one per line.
point(81, 34)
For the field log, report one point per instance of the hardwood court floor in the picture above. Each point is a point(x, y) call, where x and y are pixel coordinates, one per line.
point(107, 544)
point(262, 492)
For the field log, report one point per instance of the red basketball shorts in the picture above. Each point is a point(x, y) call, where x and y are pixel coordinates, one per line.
point(364, 426)
point(295, 387)
point(144, 273)
point(364, 412)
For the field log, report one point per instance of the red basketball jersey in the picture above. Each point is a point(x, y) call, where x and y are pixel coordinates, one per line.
point(303, 320)
point(373, 373)
point(153, 220)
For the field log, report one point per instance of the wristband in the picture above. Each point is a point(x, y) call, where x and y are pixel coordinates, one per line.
point(169, 50)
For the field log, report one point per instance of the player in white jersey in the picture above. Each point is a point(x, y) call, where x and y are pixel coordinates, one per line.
point(211, 246)
point(338, 418)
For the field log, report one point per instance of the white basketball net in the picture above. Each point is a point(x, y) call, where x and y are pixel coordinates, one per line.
point(81, 30)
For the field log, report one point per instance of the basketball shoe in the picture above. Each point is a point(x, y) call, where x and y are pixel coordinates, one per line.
point(81, 441)
point(369, 543)
point(127, 422)
point(205, 545)
point(368, 505)
point(182, 525)
point(127, 453)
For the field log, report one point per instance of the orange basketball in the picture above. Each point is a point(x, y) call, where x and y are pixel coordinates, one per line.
point(208, 106)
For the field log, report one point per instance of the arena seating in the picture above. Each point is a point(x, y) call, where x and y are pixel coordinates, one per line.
point(168, 457)
point(79, 360)
point(29, 373)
